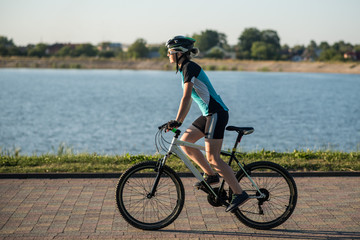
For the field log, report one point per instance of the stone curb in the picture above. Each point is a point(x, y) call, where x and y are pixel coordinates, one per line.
point(117, 175)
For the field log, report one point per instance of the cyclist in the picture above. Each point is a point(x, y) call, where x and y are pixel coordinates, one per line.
point(212, 123)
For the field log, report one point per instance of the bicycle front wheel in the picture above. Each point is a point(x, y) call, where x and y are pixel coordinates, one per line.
point(280, 195)
point(142, 210)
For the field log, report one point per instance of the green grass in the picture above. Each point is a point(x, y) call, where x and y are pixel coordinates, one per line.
point(66, 161)
point(264, 69)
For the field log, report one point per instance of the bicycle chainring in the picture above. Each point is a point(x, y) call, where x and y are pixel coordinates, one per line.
point(215, 202)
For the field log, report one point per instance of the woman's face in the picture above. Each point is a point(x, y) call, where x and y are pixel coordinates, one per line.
point(172, 56)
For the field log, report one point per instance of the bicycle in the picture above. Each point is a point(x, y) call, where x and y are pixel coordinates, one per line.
point(150, 195)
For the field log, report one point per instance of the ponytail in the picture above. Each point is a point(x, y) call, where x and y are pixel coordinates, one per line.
point(187, 55)
point(194, 52)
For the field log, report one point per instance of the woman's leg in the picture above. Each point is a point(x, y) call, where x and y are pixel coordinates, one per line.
point(213, 148)
point(192, 135)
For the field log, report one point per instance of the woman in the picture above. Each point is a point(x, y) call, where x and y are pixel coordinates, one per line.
point(212, 123)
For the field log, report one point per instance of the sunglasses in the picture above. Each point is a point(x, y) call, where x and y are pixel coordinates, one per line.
point(170, 52)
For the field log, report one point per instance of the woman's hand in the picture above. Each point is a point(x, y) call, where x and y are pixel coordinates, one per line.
point(172, 124)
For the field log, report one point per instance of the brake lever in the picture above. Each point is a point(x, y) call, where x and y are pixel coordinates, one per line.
point(162, 126)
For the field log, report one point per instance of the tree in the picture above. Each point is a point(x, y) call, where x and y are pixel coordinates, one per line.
point(223, 42)
point(298, 50)
point(271, 37)
point(163, 51)
point(267, 44)
point(65, 51)
point(273, 40)
point(6, 45)
point(343, 47)
point(38, 51)
point(357, 48)
point(138, 49)
point(107, 54)
point(330, 54)
point(215, 53)
point(285, 52)
point(263, 51)
point(209, 39)
point(85, 49)
point(324, 45)
point(246, 40)
point(310, 52)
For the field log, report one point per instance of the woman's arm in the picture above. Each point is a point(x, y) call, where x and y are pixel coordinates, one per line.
point(185, 102)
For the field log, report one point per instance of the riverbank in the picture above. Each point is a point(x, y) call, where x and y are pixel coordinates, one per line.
point(163, 64)
point(300, 161)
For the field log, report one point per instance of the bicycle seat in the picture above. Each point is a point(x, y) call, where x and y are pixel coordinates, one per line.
point(242, 130)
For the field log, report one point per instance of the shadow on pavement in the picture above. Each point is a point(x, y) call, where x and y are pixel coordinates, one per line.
point(277, 234)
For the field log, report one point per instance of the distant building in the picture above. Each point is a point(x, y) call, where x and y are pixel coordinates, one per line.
point(109, 46)
point(296, 58)
point(125, 47)
point(226, 54)
point(352, 55)
point(53, 49)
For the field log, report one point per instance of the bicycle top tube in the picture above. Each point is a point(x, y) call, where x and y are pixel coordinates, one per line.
point(240, 130)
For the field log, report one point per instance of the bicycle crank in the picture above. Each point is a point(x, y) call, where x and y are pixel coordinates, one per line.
point(215, 201)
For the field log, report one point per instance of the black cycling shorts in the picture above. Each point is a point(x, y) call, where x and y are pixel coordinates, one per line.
point(213, 125)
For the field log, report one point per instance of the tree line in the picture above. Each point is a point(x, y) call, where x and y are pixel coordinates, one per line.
point(253, 44)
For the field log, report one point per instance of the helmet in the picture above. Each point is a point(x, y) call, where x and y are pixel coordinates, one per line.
point(180, 44)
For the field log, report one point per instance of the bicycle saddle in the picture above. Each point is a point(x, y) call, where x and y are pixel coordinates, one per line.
point(242, 130)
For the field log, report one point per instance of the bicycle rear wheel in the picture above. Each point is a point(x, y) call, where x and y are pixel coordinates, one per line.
point(144, 211)
point(280, 193)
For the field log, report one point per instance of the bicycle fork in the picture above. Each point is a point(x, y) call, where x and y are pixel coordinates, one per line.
point(159, 169)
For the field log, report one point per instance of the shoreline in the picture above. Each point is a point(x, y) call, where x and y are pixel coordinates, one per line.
point(63, 162)
point(163, 64)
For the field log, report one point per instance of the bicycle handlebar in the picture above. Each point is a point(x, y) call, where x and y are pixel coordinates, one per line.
point(174, 130)
point(162, 126)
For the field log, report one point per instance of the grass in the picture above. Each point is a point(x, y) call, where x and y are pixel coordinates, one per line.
point(66, 161)
point(264, 69)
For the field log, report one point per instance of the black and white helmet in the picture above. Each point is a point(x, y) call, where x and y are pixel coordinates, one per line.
point(180, 44)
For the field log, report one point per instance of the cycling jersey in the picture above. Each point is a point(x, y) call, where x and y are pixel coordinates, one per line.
point(203, 92)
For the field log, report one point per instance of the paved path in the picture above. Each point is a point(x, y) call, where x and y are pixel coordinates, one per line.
point(328, 208)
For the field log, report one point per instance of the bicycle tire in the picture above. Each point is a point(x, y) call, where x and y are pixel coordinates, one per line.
point(281, 195)
point(149, 213)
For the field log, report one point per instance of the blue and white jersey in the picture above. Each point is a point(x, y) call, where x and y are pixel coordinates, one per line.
point(203, 92)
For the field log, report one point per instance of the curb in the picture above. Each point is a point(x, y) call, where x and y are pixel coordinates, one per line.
point(117, 175)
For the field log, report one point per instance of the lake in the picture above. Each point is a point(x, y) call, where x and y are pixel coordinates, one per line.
point(118, 111)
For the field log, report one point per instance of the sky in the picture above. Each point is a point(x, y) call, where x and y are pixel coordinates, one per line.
point(297, 22)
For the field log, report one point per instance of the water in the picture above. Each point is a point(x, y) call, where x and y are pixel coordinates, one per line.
point(117, 111)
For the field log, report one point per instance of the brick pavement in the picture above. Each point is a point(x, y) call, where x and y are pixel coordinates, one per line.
point(328, 208)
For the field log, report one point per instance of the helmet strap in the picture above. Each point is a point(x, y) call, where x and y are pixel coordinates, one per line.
point(178, 60)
